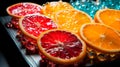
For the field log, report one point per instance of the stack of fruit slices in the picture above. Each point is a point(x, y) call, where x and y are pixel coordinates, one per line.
point(60, 33)
point(31, 24)
point(66, 17)
point(19, 10)
point(27, 18)
point(102, 37)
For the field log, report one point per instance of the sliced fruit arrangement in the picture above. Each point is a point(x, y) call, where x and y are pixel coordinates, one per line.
point(110, 17)
point(56, 28)
point(61, 46)
point(72, 20)
point(51, 8)
point(17, 11)
point(21, 9)
point(101, 37)
point(33, 25)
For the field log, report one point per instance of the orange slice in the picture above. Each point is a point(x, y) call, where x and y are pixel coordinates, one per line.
point(61, 46)
point(49, 9)
point(72, 20)
point(21, 9)
point(33, 25)
point(101, 37)
point(110, 17)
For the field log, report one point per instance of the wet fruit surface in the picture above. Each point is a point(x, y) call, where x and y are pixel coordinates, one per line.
point(110, 17)
point(101, 37)
point(72, 20)
point(51, 8)
point(22, 9)
point(63, 45)
point(58, 46)
point(33, 25)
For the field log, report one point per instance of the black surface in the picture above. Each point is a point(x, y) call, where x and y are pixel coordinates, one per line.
point(9, 50)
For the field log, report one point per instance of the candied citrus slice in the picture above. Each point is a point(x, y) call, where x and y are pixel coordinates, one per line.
point(61, 46)
point(33, 25)
point(21, 9)
point(110, 17)
point(49, 9)
point(101, 37)
point(72, 20)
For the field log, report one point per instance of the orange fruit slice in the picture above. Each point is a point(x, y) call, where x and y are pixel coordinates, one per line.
point(110, 17)
point(101, 37)
point(33, 25)
point(49, 9)
point(72, 20)
point(61, 46)
point(21, 9)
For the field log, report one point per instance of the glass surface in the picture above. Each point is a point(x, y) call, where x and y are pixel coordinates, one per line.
point(91, 6)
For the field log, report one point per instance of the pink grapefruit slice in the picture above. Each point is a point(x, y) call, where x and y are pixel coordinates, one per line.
point(33, 25)
point(61, 46)
point(21, 9)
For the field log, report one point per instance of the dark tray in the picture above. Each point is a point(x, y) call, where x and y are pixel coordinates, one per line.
point(32, 60)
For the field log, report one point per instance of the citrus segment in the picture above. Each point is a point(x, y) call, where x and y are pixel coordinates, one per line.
point(62, 46)
point(72, 20)
point(110, 17)
point(33, 25)
point(101, 37)
point(23, 8)
point(51, 8)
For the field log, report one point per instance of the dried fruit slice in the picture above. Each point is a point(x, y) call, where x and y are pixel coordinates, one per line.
point(72, 20)
point(50, 8)
point(110, 17)
point(62, 47)
point(101, 37)
point(33, 25)
point(21, 9)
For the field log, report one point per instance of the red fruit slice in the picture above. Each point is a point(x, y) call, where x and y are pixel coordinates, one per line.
point(33, 25)
point(62, 47)
point(21, 9)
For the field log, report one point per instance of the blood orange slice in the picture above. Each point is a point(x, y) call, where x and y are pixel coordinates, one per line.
point(33, 25)
point(61, 46)
point(21, 9)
